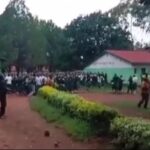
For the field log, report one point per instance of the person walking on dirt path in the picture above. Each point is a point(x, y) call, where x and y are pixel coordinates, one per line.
point(3, 92)
point(145, 89)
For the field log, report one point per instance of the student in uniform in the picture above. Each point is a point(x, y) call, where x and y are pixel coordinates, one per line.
point(130, 86)
point(120, 84)
point(114, 83)
point(135, 83)
point(9, 79)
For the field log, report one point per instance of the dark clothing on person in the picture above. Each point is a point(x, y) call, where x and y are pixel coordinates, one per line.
point(3, 92)
point(106, 80)
point(114, 83)
point(145, 99)
point(130, 86)
point(120, 84)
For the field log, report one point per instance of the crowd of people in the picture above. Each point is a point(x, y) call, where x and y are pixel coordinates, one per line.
point(25, 83)
point(118, 82)
point(29, 83)
point(117, 85)
point(74, 80)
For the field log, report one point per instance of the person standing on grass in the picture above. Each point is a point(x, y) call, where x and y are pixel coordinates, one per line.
point(3, 92)
point(145, 89)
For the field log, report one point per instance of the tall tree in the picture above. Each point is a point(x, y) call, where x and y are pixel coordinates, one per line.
point(15, 28)
point(138, 11)
point(145, 2)
point(92, 34)
point(27, 41)
point(56, 44)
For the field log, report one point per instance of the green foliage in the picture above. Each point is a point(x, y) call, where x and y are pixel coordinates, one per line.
point(131, 133)
point(77, 128)
point(92, 34)
point(140, 13)
point(97, 115)
point(145, 2)
point(27, 41)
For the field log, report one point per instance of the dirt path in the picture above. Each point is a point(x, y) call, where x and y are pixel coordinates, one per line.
point(24, 129)
point(112, 99)
point(109, 98)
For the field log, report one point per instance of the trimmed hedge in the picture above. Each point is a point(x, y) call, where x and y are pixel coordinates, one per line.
point(78, 129)
point(131, 133)
point(99, 116)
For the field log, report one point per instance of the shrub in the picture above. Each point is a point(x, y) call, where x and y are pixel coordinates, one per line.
point(78, 129)
point(46, 90)
point(131, 133)
point(97, 115)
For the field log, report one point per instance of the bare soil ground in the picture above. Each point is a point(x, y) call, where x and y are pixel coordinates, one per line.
point(24, 129)
point(125, 103)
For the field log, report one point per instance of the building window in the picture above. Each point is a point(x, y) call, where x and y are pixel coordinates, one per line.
point(143, 70)
point(135, 70)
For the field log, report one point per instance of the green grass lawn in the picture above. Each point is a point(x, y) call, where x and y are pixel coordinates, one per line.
point(78, 129)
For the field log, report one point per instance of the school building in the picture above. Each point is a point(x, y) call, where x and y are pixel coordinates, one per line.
point(122, 62)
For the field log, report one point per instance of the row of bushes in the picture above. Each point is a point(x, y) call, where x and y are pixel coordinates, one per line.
point(97, 115)
point(129, 133)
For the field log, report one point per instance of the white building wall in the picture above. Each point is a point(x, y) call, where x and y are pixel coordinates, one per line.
point(109, 61)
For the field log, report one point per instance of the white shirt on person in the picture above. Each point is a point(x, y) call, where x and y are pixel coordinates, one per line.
point(8, 80)
point(38, 81)
point(99, 79)
point(135, 79)
point(43, 79)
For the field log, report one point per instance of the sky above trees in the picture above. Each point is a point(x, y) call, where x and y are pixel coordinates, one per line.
point(64, 11)
point(27, 41)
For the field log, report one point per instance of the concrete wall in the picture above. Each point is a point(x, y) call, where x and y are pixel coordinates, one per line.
point(109, 61)
point(125, 72)
point(139, 69)
point(111, 65)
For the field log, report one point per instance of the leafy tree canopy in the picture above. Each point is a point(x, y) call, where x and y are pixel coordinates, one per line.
point(139, 10)
point(28, 41)
point(92, 34)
